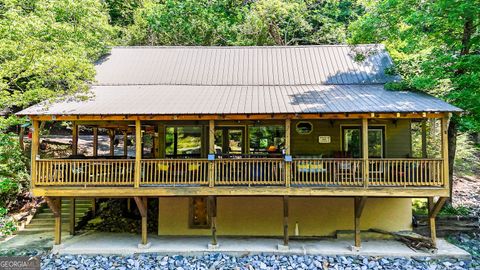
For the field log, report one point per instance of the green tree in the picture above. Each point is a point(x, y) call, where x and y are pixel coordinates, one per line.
point(274, 22)
point(436, 47)
point(330, 19)
point(47, 48)
point(121, 11)
point(185, 22)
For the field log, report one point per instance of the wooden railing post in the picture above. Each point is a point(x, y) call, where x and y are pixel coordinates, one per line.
point(74, 138)
point(111, 136)
point(125, 144)
point(138, 153)
point(211, 153)
point(444, 124)
point(34, 152)
point(95, 141)
point(288, 164)
point(365, 151)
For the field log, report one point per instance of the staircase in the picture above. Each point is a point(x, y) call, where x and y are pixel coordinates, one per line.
point(44, 221)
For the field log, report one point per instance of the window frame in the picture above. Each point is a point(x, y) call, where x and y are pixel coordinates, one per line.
point(176, 155)
point(370, 127)
point(304, 122)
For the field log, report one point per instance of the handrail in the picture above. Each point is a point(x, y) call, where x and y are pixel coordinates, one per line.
point(249, 171)
point(327, 172)
point(406, 172)
point(64, 172)
point(174, 172)
point(321, 172)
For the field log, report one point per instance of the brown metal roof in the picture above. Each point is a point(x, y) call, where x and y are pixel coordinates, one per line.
point(243, 80)
point(181, 99)
point(292, 65)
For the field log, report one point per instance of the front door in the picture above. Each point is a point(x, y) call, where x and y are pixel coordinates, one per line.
point(229, 141)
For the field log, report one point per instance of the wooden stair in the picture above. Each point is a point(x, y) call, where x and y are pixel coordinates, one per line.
point(44, 221)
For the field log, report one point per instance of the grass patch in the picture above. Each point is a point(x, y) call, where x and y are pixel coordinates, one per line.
point(419, 207)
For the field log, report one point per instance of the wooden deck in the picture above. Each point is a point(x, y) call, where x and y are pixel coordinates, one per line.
point(250, 176)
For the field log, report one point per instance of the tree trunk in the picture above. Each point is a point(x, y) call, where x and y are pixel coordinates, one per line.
point(452, 145)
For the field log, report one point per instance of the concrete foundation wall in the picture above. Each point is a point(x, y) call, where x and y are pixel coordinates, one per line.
point(263, 216)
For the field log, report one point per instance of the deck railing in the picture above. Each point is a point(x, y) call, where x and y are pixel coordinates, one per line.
point(249, 171)
point(406, 172)
point(65, 172)
point(327, 172)
point(174, 172)
point(241, 172)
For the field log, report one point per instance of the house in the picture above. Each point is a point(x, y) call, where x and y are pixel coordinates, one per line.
point(251, 141)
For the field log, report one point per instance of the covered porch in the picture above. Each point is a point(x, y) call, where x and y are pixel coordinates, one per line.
point(371, 153)
point(284, 156)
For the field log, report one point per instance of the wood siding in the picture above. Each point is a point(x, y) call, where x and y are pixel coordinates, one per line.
point(397, 137)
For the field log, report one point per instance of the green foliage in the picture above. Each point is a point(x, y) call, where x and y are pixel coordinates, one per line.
point(13, 175)
point(435, 45)
point(419, 207)
point(47, 48)
point(121, 11)
point(466, 160)
point(235, 22)
point(7, 225)
point(185, 22)
point(274, 22)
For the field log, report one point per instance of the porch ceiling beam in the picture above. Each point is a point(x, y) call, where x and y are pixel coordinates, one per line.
point(125, 192)
point(417, 115)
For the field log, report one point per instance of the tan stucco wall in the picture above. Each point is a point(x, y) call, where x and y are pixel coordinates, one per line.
point(263, 216)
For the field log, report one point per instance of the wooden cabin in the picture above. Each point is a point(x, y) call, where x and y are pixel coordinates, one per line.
point(250, 141)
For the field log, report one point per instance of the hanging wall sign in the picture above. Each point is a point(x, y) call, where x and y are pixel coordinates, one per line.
point(324, 139)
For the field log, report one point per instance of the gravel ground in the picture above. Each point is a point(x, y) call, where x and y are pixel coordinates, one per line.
point(471, 243)
point(221, 261)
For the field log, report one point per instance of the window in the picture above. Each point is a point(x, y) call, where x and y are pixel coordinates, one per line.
point(229, 140)
point(266, 139)
point(198, 214)
point(352, 142)
point(183, 141)
point(304, 127)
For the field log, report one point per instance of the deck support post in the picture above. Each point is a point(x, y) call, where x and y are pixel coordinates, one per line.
point(125, 144)
point(288, 175)
point(138, 152)
point(365, 151)
point(72, 216)
point(142, 208)
point(34, 151)
point(433, 210)
point(55, 205)
point(285, 221)
point(358, 209)
point(94, 207)
point(74, 138)
point(111, 135)
point(211, 151)
point(213, 219)
point(158, 218)
point(95, 141)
